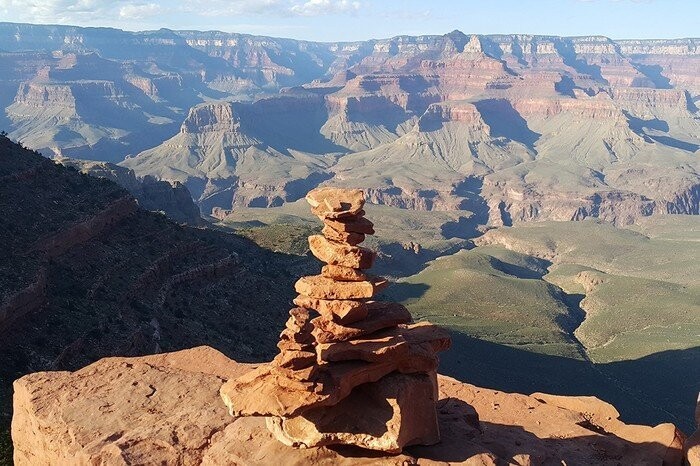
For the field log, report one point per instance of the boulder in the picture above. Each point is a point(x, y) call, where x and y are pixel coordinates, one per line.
point(351, 225)
point(337, 310)
point(335, 202)
point(348, 237)
point(318, 286)
point(380, 315)
point(334, 253)
point(343, 274)
point(379, 348)
point(388, 415)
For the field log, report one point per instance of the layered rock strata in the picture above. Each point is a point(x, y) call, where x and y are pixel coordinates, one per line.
point(351, 370)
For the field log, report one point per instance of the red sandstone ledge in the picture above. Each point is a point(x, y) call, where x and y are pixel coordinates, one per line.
point(166, 409)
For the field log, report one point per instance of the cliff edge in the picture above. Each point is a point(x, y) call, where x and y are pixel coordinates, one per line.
point(166, 409)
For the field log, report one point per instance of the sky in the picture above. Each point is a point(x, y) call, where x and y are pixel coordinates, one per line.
point(344, 20)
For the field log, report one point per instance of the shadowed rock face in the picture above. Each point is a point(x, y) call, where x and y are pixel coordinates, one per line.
point(173, 199)
point(85, 273)
point(554, 128)
point(142, 416)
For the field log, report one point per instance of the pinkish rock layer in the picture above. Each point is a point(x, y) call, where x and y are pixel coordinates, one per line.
point(403, 406)
point(130, 410)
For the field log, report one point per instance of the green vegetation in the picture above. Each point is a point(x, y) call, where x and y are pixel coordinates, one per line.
point(626, 303)
point(287, 238)
point(496, 295)
point(630, 317)
point(672, 255)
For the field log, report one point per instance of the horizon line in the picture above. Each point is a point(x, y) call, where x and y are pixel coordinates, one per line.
point(348, 41)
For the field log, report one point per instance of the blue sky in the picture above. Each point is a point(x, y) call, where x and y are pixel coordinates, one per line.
point(333, 20)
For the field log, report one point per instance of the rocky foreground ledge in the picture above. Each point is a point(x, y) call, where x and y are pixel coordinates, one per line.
point(166, 409)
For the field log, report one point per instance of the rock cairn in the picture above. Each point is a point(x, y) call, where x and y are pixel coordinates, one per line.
point(351, 371)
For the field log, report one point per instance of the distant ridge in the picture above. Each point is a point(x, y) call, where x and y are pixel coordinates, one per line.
point(538, 127)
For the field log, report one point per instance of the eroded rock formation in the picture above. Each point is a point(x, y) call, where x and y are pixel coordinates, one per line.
point(131, 411)
point(358, 374)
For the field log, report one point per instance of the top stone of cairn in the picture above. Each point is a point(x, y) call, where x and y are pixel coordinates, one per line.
point(335, 203)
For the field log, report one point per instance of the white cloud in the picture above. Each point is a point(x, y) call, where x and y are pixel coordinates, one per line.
point(127, 13)
point(271, 7)
point(76, 11)
point(325, 7)
point(233, 7)
point(142, 11)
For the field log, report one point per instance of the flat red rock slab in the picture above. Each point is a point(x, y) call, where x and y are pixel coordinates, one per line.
point(295, 359)
point(289, 345)
point(397, 411)
point(343, 274)
point(337, 310)
point(267, 390)
point(380, 316)
point(379, 348)
point(353, 239)
point(335, 202)
point(351, 225)
point(334, 253)
point(318, 286)
point(425, 332)
point(299, 321)
point(297, 337)
point(274, 391)
point(391, 343)
point(300, 316)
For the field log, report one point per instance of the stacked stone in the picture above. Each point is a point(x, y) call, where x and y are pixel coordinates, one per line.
point(359, 373)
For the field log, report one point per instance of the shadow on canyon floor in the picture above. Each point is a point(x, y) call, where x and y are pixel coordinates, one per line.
point(658, 388)
point(463, 439)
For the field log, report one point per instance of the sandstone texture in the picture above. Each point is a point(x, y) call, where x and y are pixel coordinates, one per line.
point(165, 409)
point(379, 316)
point(358, 374)
point(341, 311)
point(340, 254)
point(336, 203)
point(692, 445)
point(326, 288)
point(345, 274)
point(379, 410)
